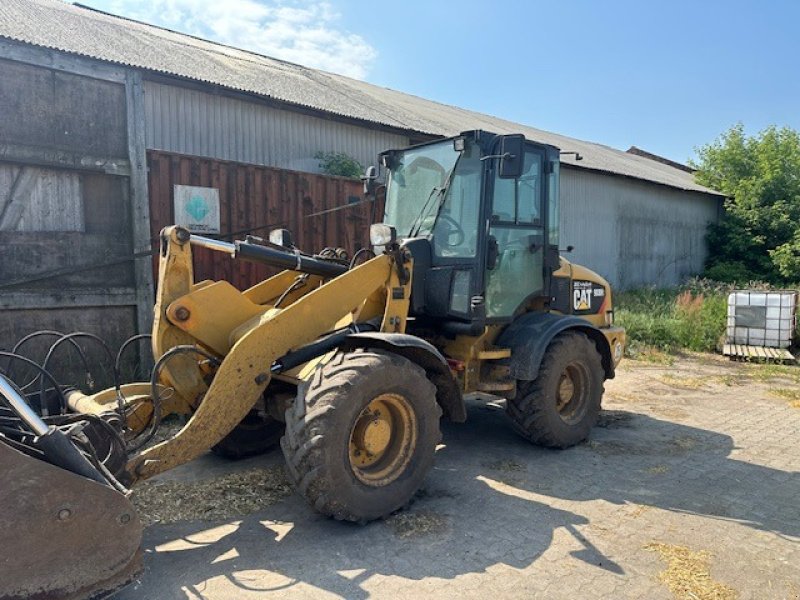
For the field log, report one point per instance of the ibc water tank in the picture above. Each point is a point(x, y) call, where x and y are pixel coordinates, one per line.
point(761, 318)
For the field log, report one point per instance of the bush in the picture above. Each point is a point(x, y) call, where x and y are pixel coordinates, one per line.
point(339, 164)
point(691, 317)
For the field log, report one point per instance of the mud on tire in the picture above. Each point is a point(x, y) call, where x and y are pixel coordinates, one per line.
point(318, 443)
point(543, 410)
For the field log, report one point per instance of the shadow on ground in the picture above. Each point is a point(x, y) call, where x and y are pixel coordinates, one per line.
point(487, 502)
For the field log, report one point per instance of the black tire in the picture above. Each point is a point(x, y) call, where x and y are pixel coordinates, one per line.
point(324, 418)
point(541, 412)
point(256, 434)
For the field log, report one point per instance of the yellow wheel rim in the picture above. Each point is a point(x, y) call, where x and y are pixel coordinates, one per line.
point(383, 439)
point(572, 393)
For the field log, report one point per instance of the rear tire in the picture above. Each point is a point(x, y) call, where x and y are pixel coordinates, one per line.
point(362, 434)
point(256, 434)
point(559, 408)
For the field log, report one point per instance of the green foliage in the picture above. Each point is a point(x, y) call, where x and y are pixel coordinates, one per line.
point(692, 316)
point(339, 164)
point(672, 319)
point(759, 237)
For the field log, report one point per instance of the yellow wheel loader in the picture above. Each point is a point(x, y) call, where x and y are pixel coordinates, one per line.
point(349, 363)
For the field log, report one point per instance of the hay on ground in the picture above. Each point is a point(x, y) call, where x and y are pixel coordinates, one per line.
point(688, 574)
point(233, 495)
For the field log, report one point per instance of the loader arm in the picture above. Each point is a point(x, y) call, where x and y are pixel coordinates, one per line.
point(368, 291)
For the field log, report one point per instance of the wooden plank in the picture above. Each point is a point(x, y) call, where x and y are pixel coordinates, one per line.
point(68, 298)
point(140, 205)
point(60, 61)
point(18, 198)
point(25, 154)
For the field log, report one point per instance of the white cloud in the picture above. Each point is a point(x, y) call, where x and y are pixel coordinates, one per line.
point(300, 31)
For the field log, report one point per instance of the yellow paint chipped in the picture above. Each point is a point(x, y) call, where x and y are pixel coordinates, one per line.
point(688, 574)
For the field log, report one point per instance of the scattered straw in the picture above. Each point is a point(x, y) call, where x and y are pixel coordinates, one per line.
point(233, 495)
point(690, 383)
point(614, 419)
point(416, 524)
point(684, 443)
point(688, 574)
point(506, 466)
point(658, 470)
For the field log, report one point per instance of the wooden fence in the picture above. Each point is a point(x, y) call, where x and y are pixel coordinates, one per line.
point(255, 199)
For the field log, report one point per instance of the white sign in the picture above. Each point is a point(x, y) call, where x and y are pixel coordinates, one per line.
point(197, 208)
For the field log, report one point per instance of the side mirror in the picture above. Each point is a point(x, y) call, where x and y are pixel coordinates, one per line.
point(512, 153)
point(492, 252)
point(369, 178)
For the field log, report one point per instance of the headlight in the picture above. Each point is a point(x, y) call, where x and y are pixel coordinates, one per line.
point(381, 234)
point(281, 237)
point(617, 351)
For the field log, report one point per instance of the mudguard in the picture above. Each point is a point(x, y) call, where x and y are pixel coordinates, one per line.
point(425, 354)
point(531, 334)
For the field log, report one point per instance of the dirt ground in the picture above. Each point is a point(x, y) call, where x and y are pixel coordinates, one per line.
point(688, 488)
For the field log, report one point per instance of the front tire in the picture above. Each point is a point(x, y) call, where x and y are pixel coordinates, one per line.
point(559, 408)
point(362, 434)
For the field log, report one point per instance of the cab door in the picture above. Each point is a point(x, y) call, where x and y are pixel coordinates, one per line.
point(515, 261)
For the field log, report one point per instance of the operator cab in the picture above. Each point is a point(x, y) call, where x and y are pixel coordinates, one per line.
point(479, 214)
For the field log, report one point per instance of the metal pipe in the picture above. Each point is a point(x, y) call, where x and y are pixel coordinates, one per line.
point(289, 260)
point(211, 244)
point(21, 408)
point(271, 256)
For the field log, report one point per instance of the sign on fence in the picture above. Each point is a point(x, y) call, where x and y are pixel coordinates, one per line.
point(197, 208)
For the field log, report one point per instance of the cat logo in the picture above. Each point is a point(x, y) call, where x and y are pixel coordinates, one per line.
point(582, 299)
point(582, 293)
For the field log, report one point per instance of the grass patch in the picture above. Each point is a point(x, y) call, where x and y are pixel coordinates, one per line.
point(770, 371)
point(692, 383)
point(664, 321)
point(691, 317)
point(688, 574)
point(791, 395)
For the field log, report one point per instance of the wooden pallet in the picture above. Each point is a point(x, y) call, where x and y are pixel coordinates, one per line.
point(762, 352)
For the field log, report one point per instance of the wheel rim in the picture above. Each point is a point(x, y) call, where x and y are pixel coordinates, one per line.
point(382, 440)
point(572, 393)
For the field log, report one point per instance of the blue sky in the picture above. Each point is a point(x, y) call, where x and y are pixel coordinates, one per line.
point(664, 76)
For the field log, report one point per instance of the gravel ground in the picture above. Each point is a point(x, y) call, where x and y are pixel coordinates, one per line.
point(688, 488)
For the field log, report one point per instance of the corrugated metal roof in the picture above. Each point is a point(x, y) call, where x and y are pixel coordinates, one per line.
point(74, 29)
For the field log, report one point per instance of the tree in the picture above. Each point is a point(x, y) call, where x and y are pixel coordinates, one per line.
point(759, 234)
point(339, 164)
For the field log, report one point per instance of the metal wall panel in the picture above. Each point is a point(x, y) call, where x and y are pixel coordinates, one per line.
point(191, 122)
point(634, 233)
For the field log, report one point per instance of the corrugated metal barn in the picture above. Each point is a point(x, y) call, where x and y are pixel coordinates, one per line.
point(103, 116)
